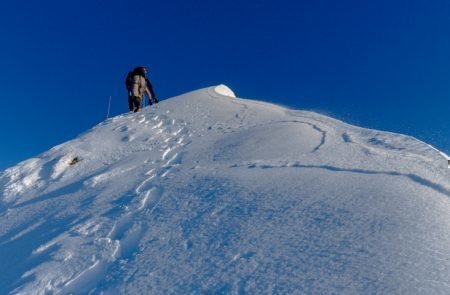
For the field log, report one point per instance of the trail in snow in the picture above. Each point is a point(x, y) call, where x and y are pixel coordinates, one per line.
point(129, 228)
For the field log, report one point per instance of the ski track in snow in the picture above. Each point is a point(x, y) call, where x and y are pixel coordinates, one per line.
point(315, 127)
point(413, 177)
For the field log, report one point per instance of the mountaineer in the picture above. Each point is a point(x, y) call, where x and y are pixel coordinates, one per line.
point(137, 85)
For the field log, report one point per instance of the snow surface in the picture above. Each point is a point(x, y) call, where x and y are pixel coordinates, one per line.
point(225, 91)
point(206, 194)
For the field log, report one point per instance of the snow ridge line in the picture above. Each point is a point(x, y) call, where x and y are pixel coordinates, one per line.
point(346, 137)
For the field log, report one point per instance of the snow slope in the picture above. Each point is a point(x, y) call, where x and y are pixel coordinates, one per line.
point(207, 193)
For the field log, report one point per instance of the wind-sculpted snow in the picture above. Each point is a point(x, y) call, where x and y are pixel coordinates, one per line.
point(206, 193)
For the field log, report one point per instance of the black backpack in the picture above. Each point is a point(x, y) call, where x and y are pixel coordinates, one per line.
point(141, 71)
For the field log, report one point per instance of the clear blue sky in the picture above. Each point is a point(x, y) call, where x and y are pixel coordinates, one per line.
point(378, 64)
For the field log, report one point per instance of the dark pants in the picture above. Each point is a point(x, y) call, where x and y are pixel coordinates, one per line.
point(134, 103)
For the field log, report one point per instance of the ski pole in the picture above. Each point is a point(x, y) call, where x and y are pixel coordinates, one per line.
point(109, 107)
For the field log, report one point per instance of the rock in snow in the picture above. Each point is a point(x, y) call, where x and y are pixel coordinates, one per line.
point(207, 193)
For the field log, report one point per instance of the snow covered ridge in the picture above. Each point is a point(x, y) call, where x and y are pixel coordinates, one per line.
point(206, 194)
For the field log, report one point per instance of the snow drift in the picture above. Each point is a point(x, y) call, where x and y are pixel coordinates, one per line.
point(208, 193)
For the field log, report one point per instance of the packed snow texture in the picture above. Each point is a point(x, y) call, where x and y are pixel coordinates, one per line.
point(206, 194)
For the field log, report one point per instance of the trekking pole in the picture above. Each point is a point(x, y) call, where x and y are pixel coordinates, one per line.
point(109, 107)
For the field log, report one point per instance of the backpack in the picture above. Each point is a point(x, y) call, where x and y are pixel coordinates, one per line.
point(136, 82)
point(141, 71)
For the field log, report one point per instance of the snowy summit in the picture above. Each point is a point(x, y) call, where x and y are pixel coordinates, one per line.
point(209, 193)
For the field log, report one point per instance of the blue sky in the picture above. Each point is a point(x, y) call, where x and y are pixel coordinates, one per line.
point(377, 64)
